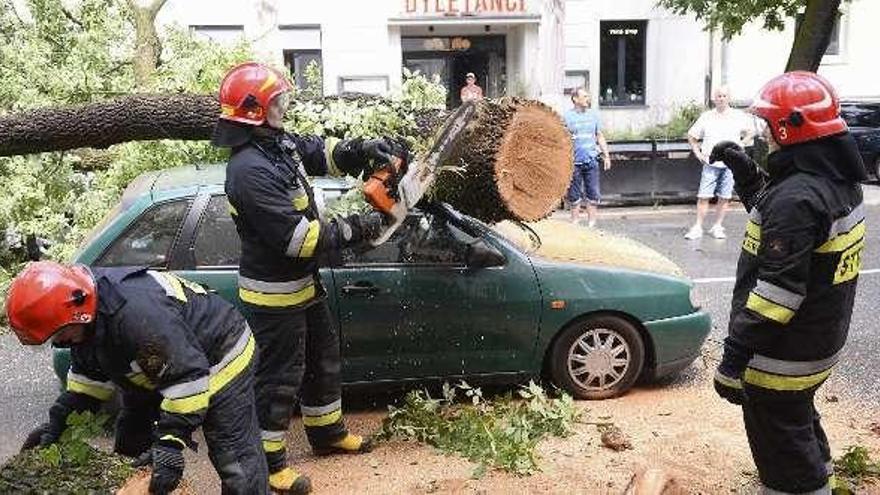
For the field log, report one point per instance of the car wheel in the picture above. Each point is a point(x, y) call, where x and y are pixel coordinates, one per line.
point(597, 358)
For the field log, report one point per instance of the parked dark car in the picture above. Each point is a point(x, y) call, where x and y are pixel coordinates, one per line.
point(863, 119)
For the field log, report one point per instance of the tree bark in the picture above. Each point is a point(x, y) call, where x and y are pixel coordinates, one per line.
point(147, 46)
point(813, 35)
point(99, 125)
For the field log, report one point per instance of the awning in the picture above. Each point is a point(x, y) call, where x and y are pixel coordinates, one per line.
point(464, 20)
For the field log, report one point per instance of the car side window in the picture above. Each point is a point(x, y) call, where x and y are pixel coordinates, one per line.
point(217, 242)
point(422, 239)
point(148, 241)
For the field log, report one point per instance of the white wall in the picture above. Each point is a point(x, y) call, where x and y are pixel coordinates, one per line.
point(757, 54)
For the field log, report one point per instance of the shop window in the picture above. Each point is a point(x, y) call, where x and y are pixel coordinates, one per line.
point(298, 62)
point(622, 63)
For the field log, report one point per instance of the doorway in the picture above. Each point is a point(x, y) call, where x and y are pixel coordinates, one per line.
point(451, 57)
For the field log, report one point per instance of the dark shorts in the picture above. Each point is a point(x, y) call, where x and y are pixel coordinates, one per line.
point(584, 183)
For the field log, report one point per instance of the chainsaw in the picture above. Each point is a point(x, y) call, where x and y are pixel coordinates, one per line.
point(396, 188)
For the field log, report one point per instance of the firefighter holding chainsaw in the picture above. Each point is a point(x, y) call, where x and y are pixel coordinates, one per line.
point(796, 278)
point(283, 239)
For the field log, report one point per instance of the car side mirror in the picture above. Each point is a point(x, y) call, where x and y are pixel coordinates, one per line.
point(481, 254)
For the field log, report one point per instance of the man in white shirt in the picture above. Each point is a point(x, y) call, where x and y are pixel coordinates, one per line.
point(719, 124)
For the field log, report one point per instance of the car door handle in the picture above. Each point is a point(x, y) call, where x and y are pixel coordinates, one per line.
point(361, 288)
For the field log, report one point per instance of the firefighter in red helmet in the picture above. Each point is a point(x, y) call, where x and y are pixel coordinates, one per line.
point(283, 237)
point(796, 277)
point(180, 357)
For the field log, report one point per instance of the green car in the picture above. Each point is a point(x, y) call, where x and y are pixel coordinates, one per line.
point(446, 297)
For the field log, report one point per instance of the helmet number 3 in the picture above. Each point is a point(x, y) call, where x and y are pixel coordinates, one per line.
point(783, 133)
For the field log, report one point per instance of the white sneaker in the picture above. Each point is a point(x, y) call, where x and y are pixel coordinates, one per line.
point(717, 232)
point(694, 233)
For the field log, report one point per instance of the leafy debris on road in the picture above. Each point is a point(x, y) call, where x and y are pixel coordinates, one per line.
point(856, 467)
point(498, 433)
point(69, 466)
point(614, 438)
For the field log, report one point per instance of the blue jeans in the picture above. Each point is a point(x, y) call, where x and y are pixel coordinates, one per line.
point(584, 183)
point(715, 181)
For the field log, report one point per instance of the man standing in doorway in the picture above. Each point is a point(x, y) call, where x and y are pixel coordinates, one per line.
point(719, 124)
point(586, 131)
point(470, 91)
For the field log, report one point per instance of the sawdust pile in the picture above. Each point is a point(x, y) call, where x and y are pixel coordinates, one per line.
point(562, 241)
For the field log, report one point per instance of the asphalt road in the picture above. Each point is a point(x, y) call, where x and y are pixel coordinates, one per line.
point(711, 264)
point(27, 386)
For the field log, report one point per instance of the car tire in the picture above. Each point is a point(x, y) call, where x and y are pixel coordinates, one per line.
point(597, 358)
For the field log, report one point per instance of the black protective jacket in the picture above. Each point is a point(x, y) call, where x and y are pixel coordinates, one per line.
point(156, 331)
point(275, 212)
point(797, 273)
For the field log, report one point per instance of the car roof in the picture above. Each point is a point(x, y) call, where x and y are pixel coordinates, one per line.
point(188, 179)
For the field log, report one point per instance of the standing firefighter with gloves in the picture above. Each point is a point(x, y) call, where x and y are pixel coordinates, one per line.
point(796, 278)
point(181, 357)
point(283, 237)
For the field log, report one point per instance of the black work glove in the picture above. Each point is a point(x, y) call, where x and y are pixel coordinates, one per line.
point(359, 156)
point(167, 467)
point(360, 227)
point(40, 436)
point(728, 376)
point(748, 179)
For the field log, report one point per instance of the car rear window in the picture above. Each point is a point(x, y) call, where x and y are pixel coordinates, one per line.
point(148, 241)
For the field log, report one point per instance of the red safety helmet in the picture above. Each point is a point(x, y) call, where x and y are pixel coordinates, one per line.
point(246, 91)
point(799, 106)
point(46, 296)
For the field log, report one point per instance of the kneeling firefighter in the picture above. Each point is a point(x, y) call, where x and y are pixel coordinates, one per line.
point(283, 237)
point(181, 357)
point(796, 278)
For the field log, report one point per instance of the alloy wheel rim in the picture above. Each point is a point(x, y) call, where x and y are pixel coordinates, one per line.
point(598, 359)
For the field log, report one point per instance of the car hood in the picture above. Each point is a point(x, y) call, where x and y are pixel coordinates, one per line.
point(561, 242)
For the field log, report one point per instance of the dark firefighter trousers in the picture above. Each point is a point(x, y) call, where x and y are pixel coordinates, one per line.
point(788, 443)
point(231, 431)
point(299, 359)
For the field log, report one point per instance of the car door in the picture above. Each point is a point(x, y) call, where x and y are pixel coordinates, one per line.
point(414, 308)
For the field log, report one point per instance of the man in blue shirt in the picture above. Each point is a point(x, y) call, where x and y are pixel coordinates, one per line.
point(586, 133)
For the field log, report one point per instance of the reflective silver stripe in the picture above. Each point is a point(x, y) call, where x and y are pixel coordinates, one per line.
point(792, 368)
point(727, 381)
point(298, 237)
point(845, 224)
point(288, 287)
point(825, 490)
point(299, 192)
point(234, 352)
point(180, 390)
point(755, 216)
point(272, 436)
point(136, 368)
point(88, 381)
point(829, 468)
point(169, 290)
point(778, 295)
point(321, 410)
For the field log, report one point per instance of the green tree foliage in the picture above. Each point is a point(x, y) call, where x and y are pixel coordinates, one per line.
point(57, 53)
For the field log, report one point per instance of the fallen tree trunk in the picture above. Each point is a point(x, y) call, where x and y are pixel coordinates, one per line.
point(515, 163)
point(99, 125)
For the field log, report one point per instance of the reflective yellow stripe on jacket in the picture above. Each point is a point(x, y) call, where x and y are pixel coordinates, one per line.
point(276, 294)
point(84, 385)
point(193, 396)
point(789, 376)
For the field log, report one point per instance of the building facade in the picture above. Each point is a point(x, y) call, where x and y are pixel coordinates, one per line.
point(641, 63)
